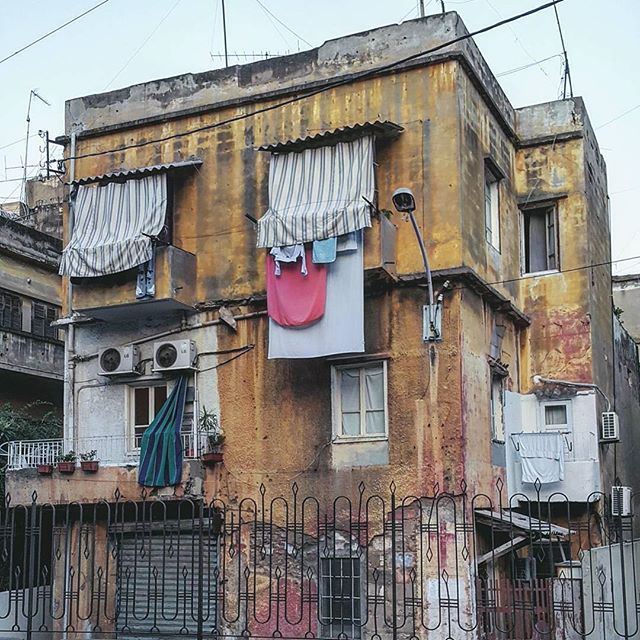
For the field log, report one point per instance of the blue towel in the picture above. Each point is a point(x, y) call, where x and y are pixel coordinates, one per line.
point(324, 251)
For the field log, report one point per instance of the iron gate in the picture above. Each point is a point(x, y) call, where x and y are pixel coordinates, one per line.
point(370, 565)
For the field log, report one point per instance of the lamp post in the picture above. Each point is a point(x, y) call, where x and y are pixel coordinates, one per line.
point(404, 201)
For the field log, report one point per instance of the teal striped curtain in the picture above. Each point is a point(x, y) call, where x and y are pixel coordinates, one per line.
point(161, 448)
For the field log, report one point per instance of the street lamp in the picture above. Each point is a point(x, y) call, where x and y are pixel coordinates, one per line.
point(405, 202)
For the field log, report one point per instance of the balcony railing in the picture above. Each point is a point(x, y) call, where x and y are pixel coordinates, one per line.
point(110, 450)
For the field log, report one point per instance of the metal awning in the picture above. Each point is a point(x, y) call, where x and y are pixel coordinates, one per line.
point(380, 129)
point(139, 171)
point(508, 520)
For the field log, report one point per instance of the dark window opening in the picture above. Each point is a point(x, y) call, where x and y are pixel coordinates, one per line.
point(10, 311)
point(340, 601)
point(540, 239)
point(42, 315)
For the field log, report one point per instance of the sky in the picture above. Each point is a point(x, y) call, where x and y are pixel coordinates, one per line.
point(129, 41)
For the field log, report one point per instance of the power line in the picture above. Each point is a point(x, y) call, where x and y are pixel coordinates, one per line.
point(297, 35)
point(137, 51)
point(331, 85)
point(527, 66)
point(10, 144)
point(46, 35)
point(618, 117)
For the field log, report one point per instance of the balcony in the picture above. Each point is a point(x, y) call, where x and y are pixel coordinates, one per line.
point(113, 297)
point(22, 352)
point(111, 451)
point(581, 471)
point(380, 250)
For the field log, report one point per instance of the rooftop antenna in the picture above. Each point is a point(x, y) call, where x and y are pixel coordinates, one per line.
point(32, 93)
point(421, 8)
point(224, 33)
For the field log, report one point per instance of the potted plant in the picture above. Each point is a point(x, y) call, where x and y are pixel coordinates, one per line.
point(89, 461)
point(45, 469)
point(66, 462)
point(214, 437)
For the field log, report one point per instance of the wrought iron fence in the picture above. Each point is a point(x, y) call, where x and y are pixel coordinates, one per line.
point(368, 565)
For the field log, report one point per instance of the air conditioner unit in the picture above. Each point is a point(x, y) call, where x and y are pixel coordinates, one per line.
point(174, 355)
point(620, 501)
point(610, 427)
point(119, 361)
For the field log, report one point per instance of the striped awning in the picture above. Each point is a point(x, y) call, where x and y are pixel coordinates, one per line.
point(113, 226)
point(318, 193)
point(139, 172)
point(161, 447)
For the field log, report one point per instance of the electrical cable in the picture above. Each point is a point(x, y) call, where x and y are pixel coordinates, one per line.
point(297, 35)
point(331, 85)
point(46, 35)
point(137, 51)
point(604, 124)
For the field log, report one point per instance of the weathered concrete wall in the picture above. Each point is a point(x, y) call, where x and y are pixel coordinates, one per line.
point(620, 461)
point(339, 58)
point(626, 296)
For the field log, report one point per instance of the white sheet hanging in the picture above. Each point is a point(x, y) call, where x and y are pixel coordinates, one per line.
point(341, 329)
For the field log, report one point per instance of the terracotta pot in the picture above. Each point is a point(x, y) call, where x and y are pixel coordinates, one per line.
point(66, 467)
point(90, 466)
point(211, 458)
point(45, 469)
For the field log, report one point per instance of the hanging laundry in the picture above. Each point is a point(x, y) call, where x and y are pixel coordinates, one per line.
point(542, 456)
point(146, 280)
point(294, 299)
point(341, 328)
point(348, 241)
point(324, 251)
point(290, 253)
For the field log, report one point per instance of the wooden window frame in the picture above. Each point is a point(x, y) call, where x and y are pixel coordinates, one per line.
point(13, 297)
point(551, 214)
point(492, 179)
point(132, 448)
point(336, 402)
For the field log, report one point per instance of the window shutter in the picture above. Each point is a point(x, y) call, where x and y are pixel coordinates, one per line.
point(551, 240)
point(38, 319)
point(10, 311)
point(52, 316)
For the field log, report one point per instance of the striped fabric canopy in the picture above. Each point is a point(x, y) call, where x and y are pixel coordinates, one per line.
point(161, 447)
point(112, 225)
point(318, 193)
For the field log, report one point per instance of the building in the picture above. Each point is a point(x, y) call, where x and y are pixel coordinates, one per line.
point(31, 351)
point(626, 297)
point(385, 485)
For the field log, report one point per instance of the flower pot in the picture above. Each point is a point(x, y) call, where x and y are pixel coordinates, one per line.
point(66, 467)
point(89, 466)
point(45, 469)
point(211, 458)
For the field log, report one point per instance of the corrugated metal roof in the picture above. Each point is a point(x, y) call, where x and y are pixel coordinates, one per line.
point(139, 171)
point(381, 129)
point(511, 519)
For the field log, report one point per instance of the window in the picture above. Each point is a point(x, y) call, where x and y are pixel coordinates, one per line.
point(340, 600)
point(42, 315)
point(556, 416)
point(145, 403)
point(360, 401)
point(492, 207)
point(540, 239)
point(497, 407)
point(10, 311)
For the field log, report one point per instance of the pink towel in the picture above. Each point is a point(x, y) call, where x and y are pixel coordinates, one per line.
point(293, 299)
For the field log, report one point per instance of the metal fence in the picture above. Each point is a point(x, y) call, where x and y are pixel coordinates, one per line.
point(368, 565)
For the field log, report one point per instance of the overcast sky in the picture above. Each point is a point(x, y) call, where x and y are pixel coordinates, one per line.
point(130, 41)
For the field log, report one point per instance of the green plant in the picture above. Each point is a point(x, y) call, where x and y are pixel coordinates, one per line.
point(89, 456)
point(70, 456)
point(210, 425)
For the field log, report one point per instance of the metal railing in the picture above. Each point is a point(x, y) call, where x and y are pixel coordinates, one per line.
point(110, 450)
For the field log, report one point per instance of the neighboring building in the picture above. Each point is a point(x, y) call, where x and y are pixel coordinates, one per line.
point(626, 297)
point(31, 350)
point(434, 446)
point(42, 208)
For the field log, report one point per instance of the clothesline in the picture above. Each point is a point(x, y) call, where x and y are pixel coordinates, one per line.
point(516, 445)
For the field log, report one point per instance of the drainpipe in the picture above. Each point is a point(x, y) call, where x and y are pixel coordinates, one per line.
point(70, 362)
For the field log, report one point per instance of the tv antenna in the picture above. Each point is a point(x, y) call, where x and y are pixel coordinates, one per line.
point(33, 93)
